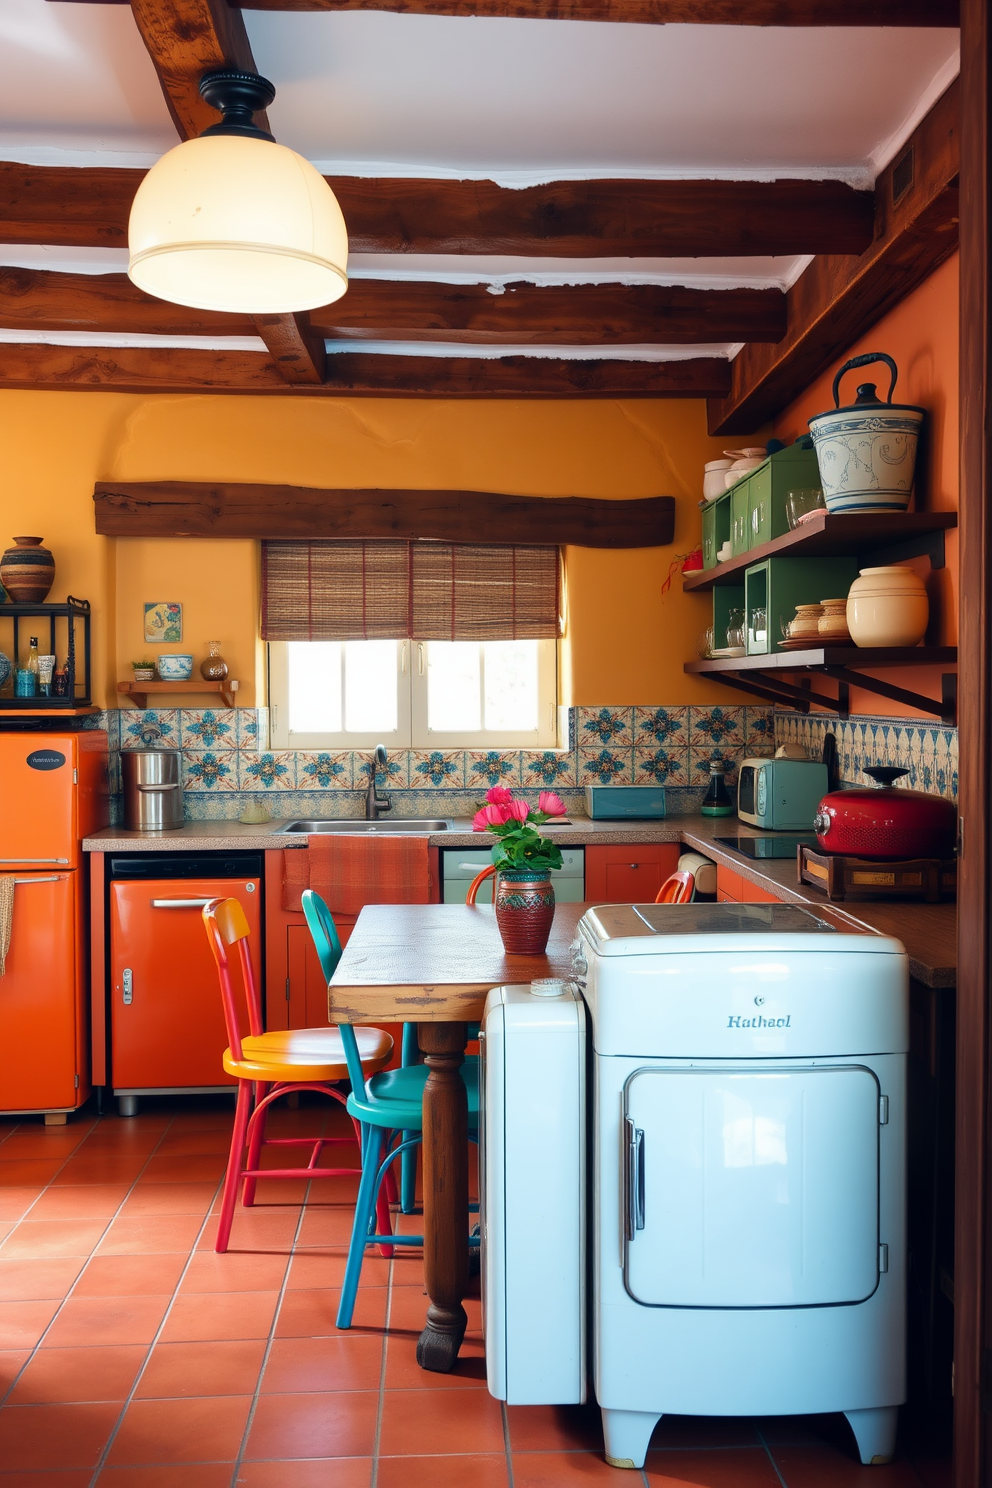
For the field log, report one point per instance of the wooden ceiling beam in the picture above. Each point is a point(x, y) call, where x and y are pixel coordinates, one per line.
point(566, 219)
point(395, 310)
point(352, 374)
point(657, 12)
point(837, 299)
point(295, 346)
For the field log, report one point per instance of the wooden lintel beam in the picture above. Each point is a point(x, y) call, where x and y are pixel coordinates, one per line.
point(657, 12)
point(396, 310)
point(185, 39)
point(566, 219)
point(102, 369)
point(837, 299)
point(296, 348)
point(197, 509)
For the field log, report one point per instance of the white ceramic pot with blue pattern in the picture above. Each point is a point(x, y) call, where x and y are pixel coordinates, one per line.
point(867, 451)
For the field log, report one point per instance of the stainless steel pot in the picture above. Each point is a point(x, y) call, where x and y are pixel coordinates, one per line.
point(153, 790)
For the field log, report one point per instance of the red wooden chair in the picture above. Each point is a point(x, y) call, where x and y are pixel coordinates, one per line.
point(678, 888)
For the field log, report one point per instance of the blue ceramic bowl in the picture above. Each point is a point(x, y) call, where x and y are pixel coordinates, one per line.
point(174, 668)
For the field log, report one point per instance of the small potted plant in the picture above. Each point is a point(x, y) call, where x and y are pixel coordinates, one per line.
point(523, 860)
point(144, 671)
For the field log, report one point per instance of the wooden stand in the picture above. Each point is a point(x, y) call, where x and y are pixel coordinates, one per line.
point(138, 691)
point(844, 877)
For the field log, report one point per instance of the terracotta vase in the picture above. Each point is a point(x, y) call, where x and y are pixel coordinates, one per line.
point(832, 625)
point(525, 908)
point(27, 571)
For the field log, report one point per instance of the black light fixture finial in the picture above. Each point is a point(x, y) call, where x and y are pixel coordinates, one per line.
point(238, 96)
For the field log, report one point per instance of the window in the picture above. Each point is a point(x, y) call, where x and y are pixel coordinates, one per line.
point(413, 694)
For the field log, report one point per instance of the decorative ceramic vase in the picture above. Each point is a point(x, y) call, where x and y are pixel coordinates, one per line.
point(832, 625)
point(525, 908)
point(867, 451)
point(807, 622)
point(888, 607)
point(214, 668)
point(176, 666)
point(27, 571)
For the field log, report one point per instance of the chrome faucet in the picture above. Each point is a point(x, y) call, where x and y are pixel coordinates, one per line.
point(374, 803)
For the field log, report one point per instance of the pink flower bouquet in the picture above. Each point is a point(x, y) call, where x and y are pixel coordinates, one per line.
point(521, 848)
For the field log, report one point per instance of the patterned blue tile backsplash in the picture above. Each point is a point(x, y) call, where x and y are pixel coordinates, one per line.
point(227, 762)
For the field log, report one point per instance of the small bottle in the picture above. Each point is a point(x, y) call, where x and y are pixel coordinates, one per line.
point(32, 661)
point(60, 682)
point(27, 675)
point(214, 668)
point(717, 800)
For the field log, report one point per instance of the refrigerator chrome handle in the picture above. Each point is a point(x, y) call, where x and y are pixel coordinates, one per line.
point(166, 785)
point(180, 903)
point(42, 878)
point(633, 1179)
point(34, 860)
point(127, 985)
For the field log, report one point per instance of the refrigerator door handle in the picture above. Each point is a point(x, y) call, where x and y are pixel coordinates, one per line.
point(180, 903)
point(46, 878)
point(633, 1178)
point(127, 985)
point(33, 860)
point(166, 785)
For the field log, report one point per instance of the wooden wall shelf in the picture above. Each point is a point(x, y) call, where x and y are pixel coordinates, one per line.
point(138, 691)
point(765, 676)
point(885, 537)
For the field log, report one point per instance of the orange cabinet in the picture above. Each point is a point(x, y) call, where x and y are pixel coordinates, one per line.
point(631, 874)
point(167, 1022)
point(729, 885)
point(754, 894)
point(42, 1061)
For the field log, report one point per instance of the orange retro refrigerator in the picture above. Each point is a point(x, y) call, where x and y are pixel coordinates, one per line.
point(53, 793)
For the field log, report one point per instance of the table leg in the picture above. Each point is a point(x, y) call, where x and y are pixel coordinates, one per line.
point(445, 1194)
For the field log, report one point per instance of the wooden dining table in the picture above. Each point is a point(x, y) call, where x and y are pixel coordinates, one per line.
point(433, 965)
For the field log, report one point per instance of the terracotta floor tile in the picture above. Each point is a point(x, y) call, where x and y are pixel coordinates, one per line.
point(12, 1361)
point(205, 1368)
point(444, 1472)
point(822, 1467)
point(322, 1472)
point(326, 1226)
point(131, 1275)
point(15, 1202)
point(576, 1470)
point(440, 1421)
point(220, 1315)
point(191, 1475)
point(351, 1361)
point(185, 1169)
point(331, 1425)
point(555, 1428)
point(85, 1320)
point(74, 1375)
point(255, 1230)
point(206, 1429)
point(168, 1198)
point(55, 1479)
point(27, 1281)
point(54, 1436)
point(48, 1142)
point(735, 1467)
point(81, 1201)
point(324, 1267)
point(312, 1314)
point(109, 1168)
point(235, 1271)
point(149, 1233)
point(23, 1323)
point(28, 1172)
point(282, 1192)
point(705, 1431)
point(33, 1240)
point(404, 1373)
point(189, 1142)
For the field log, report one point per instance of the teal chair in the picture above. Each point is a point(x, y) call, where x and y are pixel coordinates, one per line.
point(388, 1106)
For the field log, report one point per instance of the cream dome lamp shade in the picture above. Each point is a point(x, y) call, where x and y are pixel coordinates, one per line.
point(233, 221)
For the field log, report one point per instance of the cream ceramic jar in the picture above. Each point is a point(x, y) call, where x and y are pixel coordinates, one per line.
point(888, 607)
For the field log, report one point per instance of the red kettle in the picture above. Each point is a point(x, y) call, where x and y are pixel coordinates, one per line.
point(883, 822)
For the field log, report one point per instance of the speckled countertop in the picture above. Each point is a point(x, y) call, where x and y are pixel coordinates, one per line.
point(926, 930)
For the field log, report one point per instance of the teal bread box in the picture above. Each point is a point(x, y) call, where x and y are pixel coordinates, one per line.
point(625, 802)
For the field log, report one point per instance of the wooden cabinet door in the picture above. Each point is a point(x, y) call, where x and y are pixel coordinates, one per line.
point(629, 875)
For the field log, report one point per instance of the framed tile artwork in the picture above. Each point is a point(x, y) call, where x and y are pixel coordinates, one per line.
point(163, 621)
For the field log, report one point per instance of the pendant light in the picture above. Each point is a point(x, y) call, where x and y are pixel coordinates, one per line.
point(233, 221)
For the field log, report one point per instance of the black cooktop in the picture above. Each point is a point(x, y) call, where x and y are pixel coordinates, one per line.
point(779, 845)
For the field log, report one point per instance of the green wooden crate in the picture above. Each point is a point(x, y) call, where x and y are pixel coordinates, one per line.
point(777, 585)
point(788, 470)
point(716, 529)
point(740, 506)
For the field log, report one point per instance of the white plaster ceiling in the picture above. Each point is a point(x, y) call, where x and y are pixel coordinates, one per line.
point(518, 101)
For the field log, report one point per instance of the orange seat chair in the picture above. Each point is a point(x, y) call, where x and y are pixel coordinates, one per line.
point(269, 1065)
point(678, 888)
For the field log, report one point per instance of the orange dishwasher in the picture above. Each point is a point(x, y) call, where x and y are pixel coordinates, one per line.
point(166, 1023)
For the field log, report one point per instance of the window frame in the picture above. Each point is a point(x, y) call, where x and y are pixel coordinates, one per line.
point(412, 732)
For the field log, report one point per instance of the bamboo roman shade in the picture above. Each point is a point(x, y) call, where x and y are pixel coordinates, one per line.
point(421, 591)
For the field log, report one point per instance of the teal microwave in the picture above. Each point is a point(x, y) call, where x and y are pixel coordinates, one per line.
point(781, 794)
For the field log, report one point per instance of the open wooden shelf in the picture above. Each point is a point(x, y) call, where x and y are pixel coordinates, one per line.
point(868, 534)
point(138, 691)
point(765, 676)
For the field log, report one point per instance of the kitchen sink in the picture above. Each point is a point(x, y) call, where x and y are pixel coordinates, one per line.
point(355, 824)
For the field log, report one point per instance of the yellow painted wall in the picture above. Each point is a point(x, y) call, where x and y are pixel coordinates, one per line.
point(626, 641)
